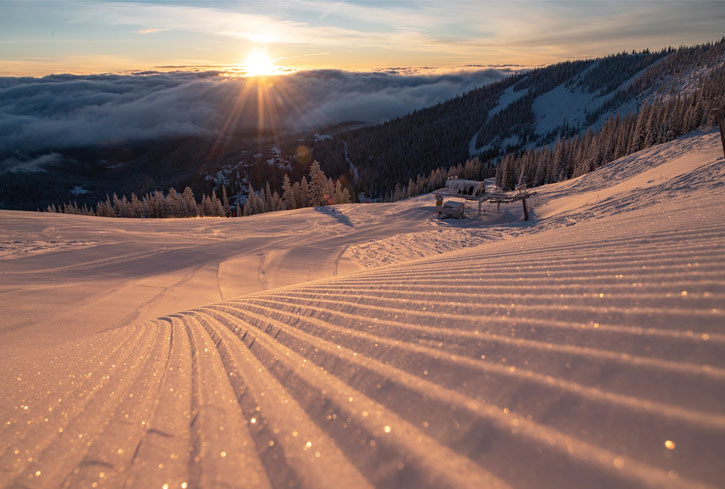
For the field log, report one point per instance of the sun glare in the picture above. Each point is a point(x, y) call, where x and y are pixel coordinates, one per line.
point(259, 64)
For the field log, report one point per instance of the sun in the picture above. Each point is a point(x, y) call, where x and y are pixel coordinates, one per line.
point(258, 63)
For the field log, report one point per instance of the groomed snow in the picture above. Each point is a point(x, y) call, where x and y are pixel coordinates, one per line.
point(377, 346)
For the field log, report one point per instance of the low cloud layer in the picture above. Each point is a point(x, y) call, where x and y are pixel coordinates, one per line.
point(36, 164)
point(64, 111)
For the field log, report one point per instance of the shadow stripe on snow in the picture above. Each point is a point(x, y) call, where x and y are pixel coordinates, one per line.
point(438, 400)
point(524, 271)
point(702, 384)
point(272, 418)
point(564, 330)
point(424, 462)
point(163, 453)
point(602, 309)
point(626, 296)
point(223, 451)
point(672, 253)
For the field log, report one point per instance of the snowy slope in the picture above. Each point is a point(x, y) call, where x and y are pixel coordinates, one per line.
point(583, 349)
point(506, 98)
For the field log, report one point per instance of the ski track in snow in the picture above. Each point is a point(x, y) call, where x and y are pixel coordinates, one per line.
point(18, 248)
point(554, 355)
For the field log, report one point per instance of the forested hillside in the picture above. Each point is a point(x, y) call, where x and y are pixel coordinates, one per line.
point(665, 118)
point(512, 117)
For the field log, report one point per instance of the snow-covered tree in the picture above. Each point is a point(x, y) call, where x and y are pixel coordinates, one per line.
point(304, 195)
point(341, 194)
point(318, 184)
point(295, 196)
point(287, 195)
point(225, 202)
point(191, 209)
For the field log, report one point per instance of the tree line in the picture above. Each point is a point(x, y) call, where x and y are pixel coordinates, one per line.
point(156, 204)
point(319, 191)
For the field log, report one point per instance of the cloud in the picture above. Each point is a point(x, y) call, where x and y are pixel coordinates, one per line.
point(153, 30)
point(496, 30)
point(64, 111)
point(18, 164)
point(375, 97)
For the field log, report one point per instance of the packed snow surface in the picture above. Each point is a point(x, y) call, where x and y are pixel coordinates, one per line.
point(376, 345)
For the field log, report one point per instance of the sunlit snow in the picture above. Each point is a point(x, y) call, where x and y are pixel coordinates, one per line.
point(376, 345)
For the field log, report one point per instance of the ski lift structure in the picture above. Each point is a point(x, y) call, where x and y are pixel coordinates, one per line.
point(521, 193)
point(459, 188)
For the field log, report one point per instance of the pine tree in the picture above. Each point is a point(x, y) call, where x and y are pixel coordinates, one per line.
point(638, 138)
point(559, 167)
point(651, 129)
point(190, 206)
point(116, 205)
point(341, 194)
point(158, 201)
point(267, 197)
point(277, 202)
point(287, 196)
point(329, 191)
point(136, 206)
point(260, 206)
point(254, 203)
point(146, 202)
point(318, 184)
point(296, 199)
point(174, 204)
point(217, 208)
point(304, 193)
point(125, 208)
point(225, 202)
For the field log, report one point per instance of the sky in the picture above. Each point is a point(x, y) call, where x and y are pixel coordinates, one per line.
point(39, 37)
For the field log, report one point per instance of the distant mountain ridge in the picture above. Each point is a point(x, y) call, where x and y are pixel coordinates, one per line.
point(525, 111)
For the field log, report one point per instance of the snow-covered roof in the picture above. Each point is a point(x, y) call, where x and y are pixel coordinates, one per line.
point(466, 189)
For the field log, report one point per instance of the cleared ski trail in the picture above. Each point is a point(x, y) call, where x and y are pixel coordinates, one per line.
point(588, 355)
